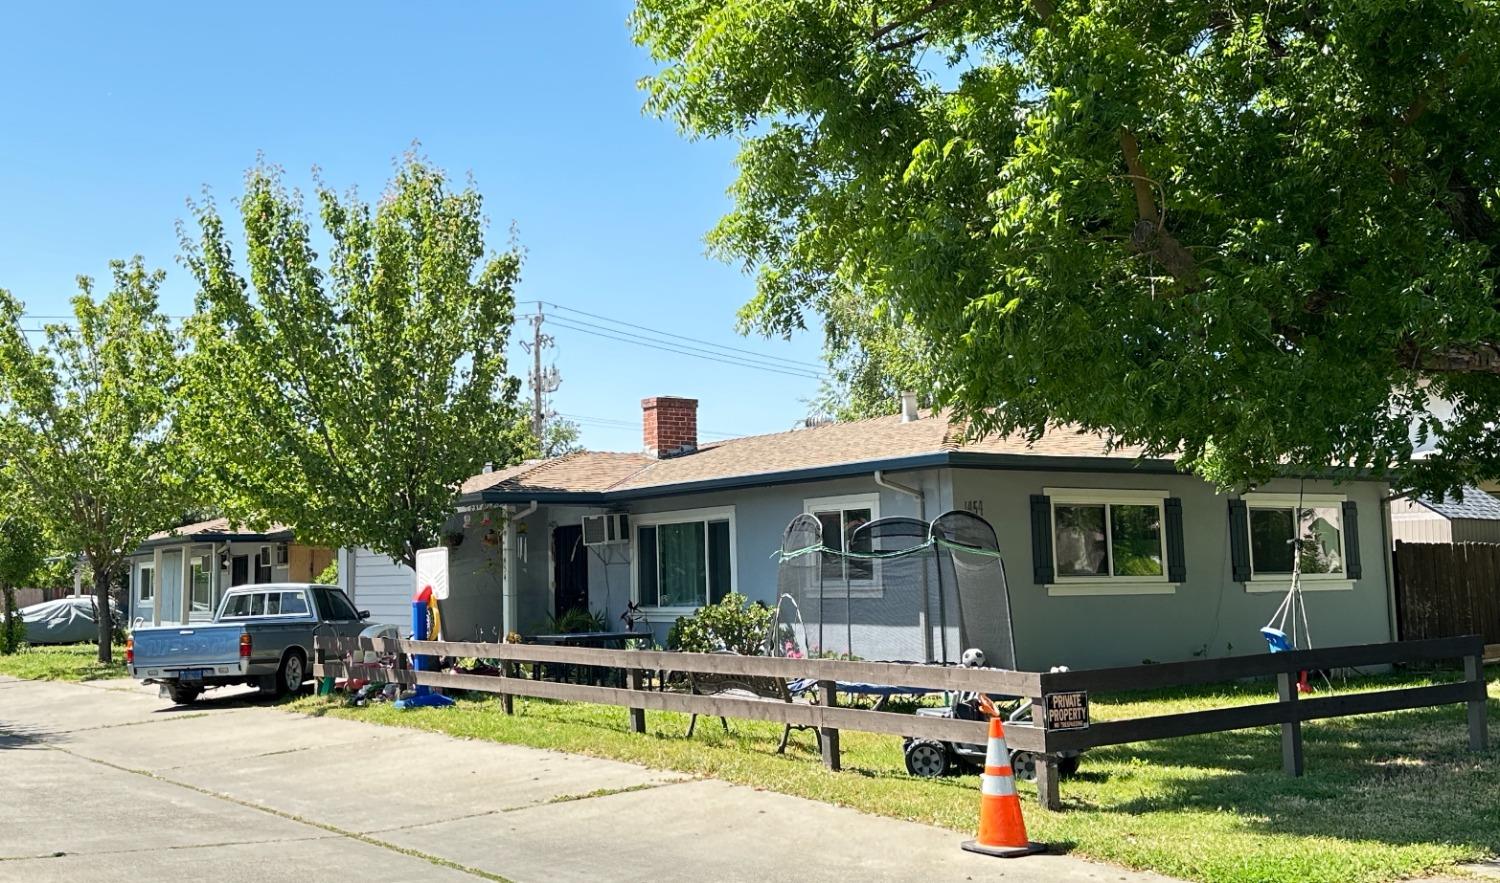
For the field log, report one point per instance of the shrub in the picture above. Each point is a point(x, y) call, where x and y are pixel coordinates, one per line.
point(733, 624)
point(578, 620)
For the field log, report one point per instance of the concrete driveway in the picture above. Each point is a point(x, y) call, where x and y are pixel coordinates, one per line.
point(106, 782)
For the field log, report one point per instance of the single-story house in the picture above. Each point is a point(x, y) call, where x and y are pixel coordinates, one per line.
point(1112, 558)
point(1474, 519)
point(188, 568)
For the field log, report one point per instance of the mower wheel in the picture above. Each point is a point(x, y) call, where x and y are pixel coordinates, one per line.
point(1023, 765)
point(927, 758)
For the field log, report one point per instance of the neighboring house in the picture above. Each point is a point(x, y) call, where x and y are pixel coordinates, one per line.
point(1112, 558)
point(188, 568)
point(1474, 519)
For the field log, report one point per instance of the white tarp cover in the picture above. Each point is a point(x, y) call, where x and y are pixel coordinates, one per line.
point(64, 621)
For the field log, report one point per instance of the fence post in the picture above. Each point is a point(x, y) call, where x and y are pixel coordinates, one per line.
point(829, 697)
point(1478, 719)
point(1047, 793)
point(1291, 731)
point(637, 713)
point(508, 669)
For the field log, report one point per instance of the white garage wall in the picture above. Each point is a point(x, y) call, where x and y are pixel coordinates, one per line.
point(379, 585)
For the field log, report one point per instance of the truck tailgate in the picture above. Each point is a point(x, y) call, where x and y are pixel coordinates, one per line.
point(186, 647)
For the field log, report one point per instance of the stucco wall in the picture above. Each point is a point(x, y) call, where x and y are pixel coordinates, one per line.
point(761, 516)
point(1209, 615)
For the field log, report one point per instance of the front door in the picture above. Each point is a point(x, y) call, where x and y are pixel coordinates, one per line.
point(239, 570)
point(570, 569)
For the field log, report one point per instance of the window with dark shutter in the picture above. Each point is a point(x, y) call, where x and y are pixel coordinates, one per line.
point(1176, 554)
point(1352, 568)
point(1041, 539)
point(1239, 540)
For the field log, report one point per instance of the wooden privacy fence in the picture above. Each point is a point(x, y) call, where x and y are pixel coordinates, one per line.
point(1061, 691)
point(1446, 589)
point(28, 597)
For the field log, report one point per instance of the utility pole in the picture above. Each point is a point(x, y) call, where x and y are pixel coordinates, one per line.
point(543, 382)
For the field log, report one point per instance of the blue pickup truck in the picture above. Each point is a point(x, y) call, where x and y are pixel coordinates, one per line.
point(262, 635)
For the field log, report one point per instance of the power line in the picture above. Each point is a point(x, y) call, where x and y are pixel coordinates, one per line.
point(766, 361)
point(723, 346)
point(726, 360)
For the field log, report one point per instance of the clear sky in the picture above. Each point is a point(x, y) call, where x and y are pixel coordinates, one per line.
point(112, 115)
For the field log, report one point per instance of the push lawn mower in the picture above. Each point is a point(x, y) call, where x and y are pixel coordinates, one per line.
point(930, 758)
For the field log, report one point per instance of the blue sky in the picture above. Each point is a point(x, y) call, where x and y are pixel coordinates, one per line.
point(112, 115)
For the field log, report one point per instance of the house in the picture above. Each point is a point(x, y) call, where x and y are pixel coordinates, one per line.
point(188, 568)
point(1112, 558)
point(1474, 519)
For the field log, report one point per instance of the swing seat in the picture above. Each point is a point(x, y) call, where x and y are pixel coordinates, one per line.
point(1276, 640)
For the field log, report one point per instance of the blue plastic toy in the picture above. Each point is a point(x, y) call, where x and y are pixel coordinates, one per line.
point(422, 614)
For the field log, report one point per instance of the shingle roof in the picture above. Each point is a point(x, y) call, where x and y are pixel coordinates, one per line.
point(216, 527)
point(580, 472)
point(1476, 504)
point(872, 440)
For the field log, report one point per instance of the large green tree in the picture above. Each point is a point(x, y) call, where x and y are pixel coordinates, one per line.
point(22, 554)
point(86, 423)
point(348, 398)
point(1256, 232)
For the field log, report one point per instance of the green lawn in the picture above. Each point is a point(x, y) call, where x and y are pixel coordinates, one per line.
point(69, 662)
point(1385, 796)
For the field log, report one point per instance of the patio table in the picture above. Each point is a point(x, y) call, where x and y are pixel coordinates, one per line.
point(602, 640)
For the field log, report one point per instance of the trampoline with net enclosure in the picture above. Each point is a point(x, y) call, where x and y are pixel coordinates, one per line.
point(896, 589)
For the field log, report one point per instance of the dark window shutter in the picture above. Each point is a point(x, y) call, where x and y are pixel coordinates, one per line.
point(1352, 568)
point(1176, 555)
point(1239, 540)
point(1041, 539)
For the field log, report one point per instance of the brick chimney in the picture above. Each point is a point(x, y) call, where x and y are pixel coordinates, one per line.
point(670, 425)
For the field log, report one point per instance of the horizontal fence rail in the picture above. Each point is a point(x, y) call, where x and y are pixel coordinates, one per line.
point(336, 655)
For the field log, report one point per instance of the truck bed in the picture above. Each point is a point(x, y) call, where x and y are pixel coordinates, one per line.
point(202, 649)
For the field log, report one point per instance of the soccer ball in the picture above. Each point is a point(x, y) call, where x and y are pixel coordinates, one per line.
point(973, 658)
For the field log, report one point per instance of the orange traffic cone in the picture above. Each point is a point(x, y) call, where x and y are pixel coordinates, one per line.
point(1002, 831)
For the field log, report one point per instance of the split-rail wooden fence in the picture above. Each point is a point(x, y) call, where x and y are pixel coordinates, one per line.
point(336, 659)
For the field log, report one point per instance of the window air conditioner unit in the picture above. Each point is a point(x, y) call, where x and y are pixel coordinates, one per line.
point(604, 530)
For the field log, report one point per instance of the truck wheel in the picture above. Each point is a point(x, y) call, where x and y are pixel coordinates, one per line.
point(292, 673)
point(183, 695)
point(926, 758)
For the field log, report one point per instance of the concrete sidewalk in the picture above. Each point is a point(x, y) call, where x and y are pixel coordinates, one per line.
point(108, 782)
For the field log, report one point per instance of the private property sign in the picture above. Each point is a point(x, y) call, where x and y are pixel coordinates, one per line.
point(1066, 711)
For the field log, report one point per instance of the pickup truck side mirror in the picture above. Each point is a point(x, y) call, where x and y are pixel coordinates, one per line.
point(364, 614)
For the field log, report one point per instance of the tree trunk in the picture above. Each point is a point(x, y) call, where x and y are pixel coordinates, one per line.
point(12, 631)
point(106, 621)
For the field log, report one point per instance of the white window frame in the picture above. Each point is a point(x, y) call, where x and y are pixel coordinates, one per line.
point(1311, 582)
point(207, 560)
point(681, 516)
point(864, 588)
point(1108, 584)
point(142, 568)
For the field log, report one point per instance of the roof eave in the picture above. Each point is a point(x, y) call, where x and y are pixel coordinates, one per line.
point(191, 539)
point(933, 460)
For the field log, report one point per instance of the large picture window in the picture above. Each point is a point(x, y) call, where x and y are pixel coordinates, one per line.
point(1284, 531)
point(684, 560)
point(1095, 538)
point(1087, 541)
